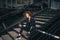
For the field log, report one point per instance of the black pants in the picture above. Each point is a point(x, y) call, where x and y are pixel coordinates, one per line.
point(24, 28)
point(32, 32)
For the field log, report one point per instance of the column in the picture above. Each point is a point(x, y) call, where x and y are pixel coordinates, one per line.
point(11, 3)
point(16, 3)
point(49, 3)
point(31, 1)
point(6, 3)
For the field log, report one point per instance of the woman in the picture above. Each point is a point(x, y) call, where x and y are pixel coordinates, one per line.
point(30, 23)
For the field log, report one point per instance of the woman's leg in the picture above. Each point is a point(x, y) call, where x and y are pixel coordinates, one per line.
point(21, 30)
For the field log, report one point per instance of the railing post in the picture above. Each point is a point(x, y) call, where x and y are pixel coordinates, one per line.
point(6, 3)
point(11, 3)
point(49, 3)
point(4, 25)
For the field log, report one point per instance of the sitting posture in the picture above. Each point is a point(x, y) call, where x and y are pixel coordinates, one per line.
point(30, 23)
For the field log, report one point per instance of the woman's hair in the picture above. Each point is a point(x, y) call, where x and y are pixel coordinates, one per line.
point(27, 12)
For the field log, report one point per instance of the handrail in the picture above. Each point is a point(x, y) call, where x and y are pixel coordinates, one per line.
point(8, 14)
point(52, 20)
point(55, 36)
point(4, 25)
point(47, 33)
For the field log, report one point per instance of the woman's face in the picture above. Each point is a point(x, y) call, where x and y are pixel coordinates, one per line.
point(27, 15)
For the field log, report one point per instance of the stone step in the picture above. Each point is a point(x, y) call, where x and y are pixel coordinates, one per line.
point(6, 37)
point(41, 19)
point(24, 32)
point(21, 38)
point(17, 29)
point(13, 34)
point(46, 14)
point(1, 38)
point(38, 26)
point(40, 22)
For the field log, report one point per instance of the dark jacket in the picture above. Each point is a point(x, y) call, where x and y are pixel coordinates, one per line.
point(30, 24)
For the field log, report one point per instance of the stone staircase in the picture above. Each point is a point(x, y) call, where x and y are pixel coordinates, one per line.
point(40, 20)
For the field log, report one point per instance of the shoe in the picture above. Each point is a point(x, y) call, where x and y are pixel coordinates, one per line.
point(19, 34)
